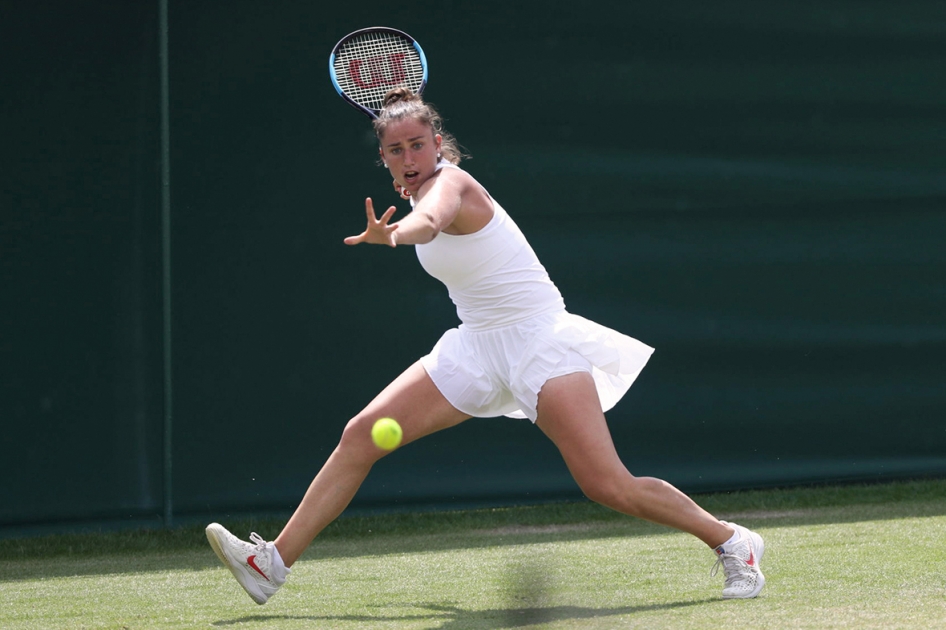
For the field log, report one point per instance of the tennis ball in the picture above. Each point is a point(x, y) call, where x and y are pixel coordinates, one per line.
point(386, 434)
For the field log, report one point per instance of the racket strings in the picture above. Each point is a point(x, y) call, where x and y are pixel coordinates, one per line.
point(368, 66)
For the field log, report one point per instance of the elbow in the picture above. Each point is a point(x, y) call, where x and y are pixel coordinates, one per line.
point(431, 228)
point(418, 228)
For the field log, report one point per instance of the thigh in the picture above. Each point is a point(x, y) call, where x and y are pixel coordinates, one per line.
point(569, 413)
point(414, 401)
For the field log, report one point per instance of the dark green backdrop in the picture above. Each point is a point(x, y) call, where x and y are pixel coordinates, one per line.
point(758, 191)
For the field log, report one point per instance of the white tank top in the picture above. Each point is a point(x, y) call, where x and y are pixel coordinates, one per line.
point(493, 276)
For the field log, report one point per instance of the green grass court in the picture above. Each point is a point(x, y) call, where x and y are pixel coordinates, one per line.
point(865, 556)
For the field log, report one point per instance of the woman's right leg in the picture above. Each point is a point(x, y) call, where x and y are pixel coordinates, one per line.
point(415, 402)
point(569, 413)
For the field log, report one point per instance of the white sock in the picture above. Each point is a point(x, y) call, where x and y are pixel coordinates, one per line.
point(280, 570)
point(733, 539)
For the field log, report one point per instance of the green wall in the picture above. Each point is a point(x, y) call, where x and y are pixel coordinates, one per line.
point(759, 192)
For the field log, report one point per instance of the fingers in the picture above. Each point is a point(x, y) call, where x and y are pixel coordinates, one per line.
point(354, 240)
point(378, 231)
point(373, 219)
point(387, 215)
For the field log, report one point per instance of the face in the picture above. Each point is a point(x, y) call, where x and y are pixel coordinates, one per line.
point(410, 149)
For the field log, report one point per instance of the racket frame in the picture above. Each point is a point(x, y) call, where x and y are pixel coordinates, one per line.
point(368, 111)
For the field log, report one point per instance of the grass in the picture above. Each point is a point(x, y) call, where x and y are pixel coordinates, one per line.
point(836, 557)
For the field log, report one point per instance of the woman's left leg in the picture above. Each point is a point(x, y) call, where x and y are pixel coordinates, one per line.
point(569, 413)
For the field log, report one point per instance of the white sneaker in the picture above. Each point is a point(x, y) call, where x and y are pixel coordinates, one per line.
point(257, 566)
point(741, 563)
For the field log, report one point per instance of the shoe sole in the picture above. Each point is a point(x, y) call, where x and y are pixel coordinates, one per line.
point(214, 533)
point(759, 550)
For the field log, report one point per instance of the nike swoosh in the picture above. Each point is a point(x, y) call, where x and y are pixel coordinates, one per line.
point(252, 562)
point(750, 561)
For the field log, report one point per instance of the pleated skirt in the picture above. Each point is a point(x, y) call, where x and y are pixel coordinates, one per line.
point(500, 371)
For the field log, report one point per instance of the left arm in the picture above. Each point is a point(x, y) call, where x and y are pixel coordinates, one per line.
point(440, 200)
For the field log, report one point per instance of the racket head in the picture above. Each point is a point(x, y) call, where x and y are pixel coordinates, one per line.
point(368, 63)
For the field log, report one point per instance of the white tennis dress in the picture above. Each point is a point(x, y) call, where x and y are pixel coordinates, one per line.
point(515, 333)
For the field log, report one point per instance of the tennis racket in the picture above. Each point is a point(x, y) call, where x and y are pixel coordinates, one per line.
point(368, 63)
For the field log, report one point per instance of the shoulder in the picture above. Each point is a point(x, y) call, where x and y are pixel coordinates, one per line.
point(467, 185)
point(475, 204)
point(453, 173)
point(453, 179)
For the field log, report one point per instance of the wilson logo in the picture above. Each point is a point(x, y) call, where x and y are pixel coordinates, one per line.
point(381, 70)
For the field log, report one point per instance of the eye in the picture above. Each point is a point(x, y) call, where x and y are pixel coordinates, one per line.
point(418, 146)
point(395, 151)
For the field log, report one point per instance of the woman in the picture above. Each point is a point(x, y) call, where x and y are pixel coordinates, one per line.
point(518, 352)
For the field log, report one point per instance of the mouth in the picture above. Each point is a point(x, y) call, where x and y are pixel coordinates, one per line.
point(410, 177)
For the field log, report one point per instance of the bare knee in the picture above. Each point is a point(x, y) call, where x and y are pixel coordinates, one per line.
point(606, 489)
point(622, 492)
point(356, 441)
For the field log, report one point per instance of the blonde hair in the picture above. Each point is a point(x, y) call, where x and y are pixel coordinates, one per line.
point(400, 103)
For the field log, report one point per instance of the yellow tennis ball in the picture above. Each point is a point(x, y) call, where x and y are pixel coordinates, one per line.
point(386, 434)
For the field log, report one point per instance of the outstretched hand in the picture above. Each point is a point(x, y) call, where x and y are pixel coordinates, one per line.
point(378, 232)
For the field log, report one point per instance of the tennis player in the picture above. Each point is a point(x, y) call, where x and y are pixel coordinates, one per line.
point(518, 352)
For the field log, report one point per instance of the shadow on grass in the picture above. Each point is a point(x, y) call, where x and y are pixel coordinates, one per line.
point(454, 618)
